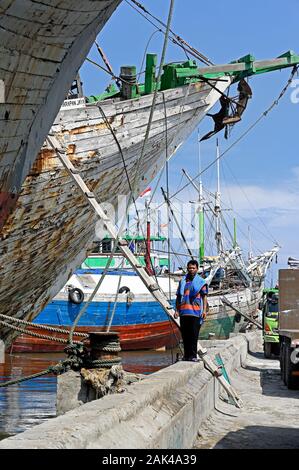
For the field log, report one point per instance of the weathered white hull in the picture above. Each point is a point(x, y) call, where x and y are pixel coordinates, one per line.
point(42, 45)
point(221, 318)
point(48, 234)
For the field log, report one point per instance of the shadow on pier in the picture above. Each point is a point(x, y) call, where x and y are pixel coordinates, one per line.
point(270, 378)
point(260, 437)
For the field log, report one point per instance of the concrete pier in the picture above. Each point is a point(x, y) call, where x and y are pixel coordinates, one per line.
point(270, 416)
point(165, 410)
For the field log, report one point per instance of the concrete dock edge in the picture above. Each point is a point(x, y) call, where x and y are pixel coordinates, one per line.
point(162, 411)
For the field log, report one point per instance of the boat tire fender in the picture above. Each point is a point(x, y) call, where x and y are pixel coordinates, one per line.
point(124, 289)
point(238, 317)
point(76, 295)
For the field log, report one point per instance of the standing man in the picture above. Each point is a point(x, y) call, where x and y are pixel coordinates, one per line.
point(191, 306)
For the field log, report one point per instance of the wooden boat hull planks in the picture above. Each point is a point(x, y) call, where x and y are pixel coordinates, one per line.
point(47, 236)
point(42, 45)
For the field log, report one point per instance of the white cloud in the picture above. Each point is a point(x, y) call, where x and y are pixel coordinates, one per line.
point(295, 171)
point(278, 206)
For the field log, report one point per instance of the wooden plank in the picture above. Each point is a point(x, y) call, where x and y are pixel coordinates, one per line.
point(33, 70)
point(26, 63)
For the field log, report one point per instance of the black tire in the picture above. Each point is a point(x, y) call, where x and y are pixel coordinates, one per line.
point(124, 289)
point(292, 382)
point(267, 350)
point(76, 296)
point(285, 360)
point(276, 349)
point(281, 360)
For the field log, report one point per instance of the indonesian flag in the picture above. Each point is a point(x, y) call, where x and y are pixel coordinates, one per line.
point(146, 192)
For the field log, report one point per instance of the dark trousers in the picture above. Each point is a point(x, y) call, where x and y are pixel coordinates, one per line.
point(190, 327)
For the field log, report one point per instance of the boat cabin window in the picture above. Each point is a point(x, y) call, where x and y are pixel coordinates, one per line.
point(75, 90)
point(104, 246)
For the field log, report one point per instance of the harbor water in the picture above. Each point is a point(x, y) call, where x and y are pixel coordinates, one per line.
point(26, 404)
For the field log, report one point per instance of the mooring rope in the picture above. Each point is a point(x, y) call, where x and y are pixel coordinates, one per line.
point(36, 335)
point(78, 357)
point(28, 377)
point(44, 327)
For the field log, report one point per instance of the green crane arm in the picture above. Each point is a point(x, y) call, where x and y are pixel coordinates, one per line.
point(247, 66)
point(178, 74)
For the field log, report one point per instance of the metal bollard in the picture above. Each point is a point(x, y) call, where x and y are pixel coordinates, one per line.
point(104, 348)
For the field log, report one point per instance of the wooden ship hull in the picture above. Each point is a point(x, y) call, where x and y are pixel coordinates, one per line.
point(51, 227)
point(222, 319)
point(42, 46)
point(141, 324)
point(47, 236)
point(132, 337)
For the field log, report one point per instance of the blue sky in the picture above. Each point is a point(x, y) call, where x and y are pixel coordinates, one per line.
point(264, 164)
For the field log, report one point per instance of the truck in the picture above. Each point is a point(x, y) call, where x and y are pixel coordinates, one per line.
point(270, 308)
point(288, 326)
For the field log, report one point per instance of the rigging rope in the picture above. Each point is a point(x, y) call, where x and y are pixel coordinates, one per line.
point(264, 114)
point(177, 39)
point(135, 181)
point(251, 205)
point(116, 297)
point(129, 184)
point(177, 223)
point(115, 77)
point(167, 193)
point(244, 220)
point(43, 327)
point(145, 52)
point(173, 251)
point(168, 217)
point(36, 335)
point(28, 377)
